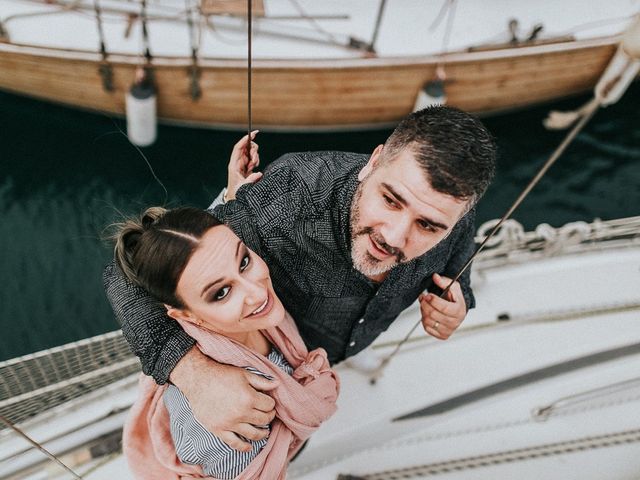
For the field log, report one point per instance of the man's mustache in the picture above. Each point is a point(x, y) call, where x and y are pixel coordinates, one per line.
point(396, 252)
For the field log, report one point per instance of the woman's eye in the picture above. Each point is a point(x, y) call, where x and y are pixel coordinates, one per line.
point(220, 294)
point(244, 263)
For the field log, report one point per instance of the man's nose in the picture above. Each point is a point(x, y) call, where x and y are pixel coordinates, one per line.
point(395, 233)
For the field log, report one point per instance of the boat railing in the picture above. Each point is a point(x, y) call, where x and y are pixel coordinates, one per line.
point(512, 244)
point(33, 383)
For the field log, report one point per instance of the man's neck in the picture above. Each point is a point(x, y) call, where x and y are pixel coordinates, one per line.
point(378, 278)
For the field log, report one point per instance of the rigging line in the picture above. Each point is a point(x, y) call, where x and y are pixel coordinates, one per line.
point(249, 67)
point(449, 27)
point(145, 32)
point(103, 48)
point(443, 9)
point(589, 111)
point(10, 424)
point(376, 29)
point(332, 39)
point(64, 9)
point(440, 73)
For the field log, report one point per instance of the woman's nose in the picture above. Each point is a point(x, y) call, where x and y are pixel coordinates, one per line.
point(255, 292)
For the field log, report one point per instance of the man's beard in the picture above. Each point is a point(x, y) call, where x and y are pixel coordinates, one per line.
point(362, 260)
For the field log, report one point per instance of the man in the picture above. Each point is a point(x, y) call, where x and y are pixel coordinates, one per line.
point(351, 240)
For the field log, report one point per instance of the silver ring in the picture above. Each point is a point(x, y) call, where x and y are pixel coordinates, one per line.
point(436, 325)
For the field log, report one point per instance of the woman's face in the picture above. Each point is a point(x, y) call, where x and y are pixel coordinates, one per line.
point(226, 288)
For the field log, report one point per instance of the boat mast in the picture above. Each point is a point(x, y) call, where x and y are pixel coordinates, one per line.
point(105, 70)
point(372, 45)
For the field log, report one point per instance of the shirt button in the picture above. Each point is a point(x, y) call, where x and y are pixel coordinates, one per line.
point(352, 344)
point(361, 321)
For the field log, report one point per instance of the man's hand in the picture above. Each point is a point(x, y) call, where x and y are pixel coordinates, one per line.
point(441, 316)
point(241, 165)
point(226, 400)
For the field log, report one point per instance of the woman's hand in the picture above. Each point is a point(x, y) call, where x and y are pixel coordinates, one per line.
point(241, 165)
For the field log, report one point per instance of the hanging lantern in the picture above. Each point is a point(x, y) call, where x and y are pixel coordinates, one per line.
point(432, 93)
point(141, 109)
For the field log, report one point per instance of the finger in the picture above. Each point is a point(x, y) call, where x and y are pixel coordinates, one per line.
point(258, 417)
point(252, 178)
point(443, 283)
point(234, 441)
point(441, 323)
point(241, 143)
point(263, 402)
point(455, 291)
point(441, 305)
point(433, 332)
point(251, 432)
point(444, 321)
point(254, 133)
point(255, 160)
point(258, 381)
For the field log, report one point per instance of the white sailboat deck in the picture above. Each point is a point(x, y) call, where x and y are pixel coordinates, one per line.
point(405, 30)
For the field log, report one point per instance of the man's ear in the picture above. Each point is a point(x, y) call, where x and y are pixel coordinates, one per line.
point(180, 314)
point(373, 161)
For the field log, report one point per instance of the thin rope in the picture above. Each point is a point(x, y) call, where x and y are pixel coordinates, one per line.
point(194, 41)
point(10, 424)
point(592, 107)
point(376, 30)
point(103, 48)
point(145, 32)
point(440, 72)
point(249, 71)
point(332, 39)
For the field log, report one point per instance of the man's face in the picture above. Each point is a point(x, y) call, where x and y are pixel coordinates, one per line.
point(396, 215)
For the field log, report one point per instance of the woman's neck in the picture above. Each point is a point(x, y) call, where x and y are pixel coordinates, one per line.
point(255, 341)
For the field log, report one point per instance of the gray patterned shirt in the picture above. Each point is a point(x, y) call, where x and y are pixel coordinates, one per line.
point(297, 219)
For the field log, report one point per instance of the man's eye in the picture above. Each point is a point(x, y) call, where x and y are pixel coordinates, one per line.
point(244, 263)
point(220, 294)
point(389, 201)
point(426, 226)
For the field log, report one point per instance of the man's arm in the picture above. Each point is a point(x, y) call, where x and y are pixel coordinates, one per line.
point(155, 338)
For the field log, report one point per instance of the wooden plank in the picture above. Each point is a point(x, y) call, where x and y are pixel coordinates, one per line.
point(310, 96)
point(231, 7)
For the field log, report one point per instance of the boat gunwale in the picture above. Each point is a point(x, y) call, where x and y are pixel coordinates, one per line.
point(321, 63)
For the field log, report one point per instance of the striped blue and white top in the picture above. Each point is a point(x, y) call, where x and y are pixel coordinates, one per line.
point(195, 445)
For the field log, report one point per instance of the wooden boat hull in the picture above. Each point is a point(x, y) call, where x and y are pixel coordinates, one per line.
point(311, 94)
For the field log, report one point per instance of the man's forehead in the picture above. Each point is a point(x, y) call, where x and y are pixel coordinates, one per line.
point(405, 178)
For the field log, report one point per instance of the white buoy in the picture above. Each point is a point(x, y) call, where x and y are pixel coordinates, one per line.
point(432, 93)
point(622, 69)
point(141, 111)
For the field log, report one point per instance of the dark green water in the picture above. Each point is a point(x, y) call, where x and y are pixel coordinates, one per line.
point(65, 175)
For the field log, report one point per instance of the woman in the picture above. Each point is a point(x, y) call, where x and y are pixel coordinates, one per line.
point(221, 294)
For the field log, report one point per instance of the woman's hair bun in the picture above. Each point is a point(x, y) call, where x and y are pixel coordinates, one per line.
point(151, 216)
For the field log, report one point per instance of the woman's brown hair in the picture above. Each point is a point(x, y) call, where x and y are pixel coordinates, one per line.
point(154, 249)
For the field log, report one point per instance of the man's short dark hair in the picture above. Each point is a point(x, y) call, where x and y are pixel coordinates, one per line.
point(455, 150)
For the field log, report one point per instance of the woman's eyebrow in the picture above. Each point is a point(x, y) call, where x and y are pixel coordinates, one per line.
point(211, 284)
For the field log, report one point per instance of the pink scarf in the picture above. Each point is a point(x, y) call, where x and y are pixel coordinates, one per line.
point(303, 401)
